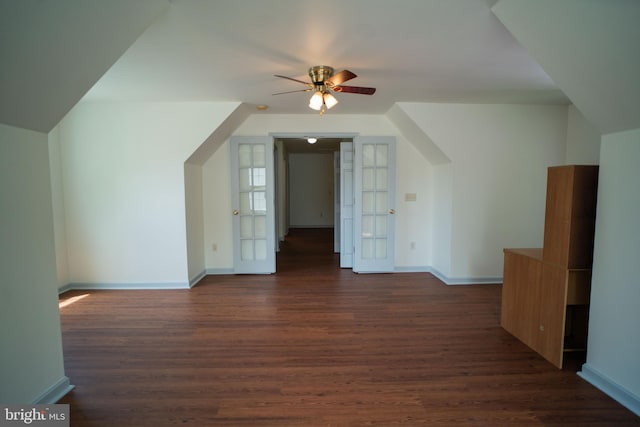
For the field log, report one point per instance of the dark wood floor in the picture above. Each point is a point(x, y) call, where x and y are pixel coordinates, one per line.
point(313, 345)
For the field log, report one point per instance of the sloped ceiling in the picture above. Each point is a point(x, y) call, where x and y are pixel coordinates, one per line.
point(229, 50)
point(590, 48)
point(53, 51)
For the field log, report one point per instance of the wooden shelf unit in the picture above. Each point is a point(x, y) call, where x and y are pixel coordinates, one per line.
point(545, 291)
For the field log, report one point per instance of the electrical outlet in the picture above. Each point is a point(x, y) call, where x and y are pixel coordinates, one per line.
point(412, 245)
point(214, 247)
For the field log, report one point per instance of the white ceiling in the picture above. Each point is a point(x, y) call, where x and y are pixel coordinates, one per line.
point(54, 52)
point(592, 50)
point(410, 50)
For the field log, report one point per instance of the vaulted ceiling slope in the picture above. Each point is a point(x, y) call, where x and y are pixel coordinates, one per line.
point(53, 51)
point(227, 50)
point(591, 50)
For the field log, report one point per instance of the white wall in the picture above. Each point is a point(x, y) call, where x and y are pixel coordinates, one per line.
point(614, 319)
point(440, 216)
point(414, 229)
point(216, 185)
point(31, 361)
point(59, 226)
point(408, 180)
point(311, 197)
point(499, 155)
point(124, 189)
point(583, 140)
point(194, 207)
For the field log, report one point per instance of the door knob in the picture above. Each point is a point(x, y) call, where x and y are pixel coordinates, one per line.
point(235, 212)
point(392, 211)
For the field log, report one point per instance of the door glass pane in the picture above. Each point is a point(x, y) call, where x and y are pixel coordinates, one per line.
point(367, 226)
point(368, 179)
point(244, 179)
point(261, 249)
point(381, 202)
point(244, 155)
point(382, 155)
point(246, 227)
point(260, 229)
point(381, 179)
point(381, 226)
point(368, 155)
point(368, 201)
point(259, 176)
point(259, 201)
point(367, 248)
point(245, 203)
point(259, 155)
point(381, 248)
point(246, 250)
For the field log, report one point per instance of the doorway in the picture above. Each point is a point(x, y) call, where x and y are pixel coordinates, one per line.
point(256, 165)
point(306, 199)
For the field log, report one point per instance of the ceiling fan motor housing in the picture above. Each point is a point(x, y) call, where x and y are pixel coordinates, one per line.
point(319, 74)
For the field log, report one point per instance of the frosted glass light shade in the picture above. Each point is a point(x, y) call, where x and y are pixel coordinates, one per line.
point(316, 101)
point(330, 100)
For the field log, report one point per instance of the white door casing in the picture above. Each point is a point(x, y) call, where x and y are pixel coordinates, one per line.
point(346, 205)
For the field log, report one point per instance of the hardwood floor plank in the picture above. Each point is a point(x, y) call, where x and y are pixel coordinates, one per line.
point(313, 345)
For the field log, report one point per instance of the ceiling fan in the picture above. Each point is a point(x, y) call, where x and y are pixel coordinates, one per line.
point(323, 82)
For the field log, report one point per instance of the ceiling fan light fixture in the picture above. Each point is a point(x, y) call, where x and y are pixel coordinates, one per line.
point(329, 100)
point(316, 102)
point(323, 82)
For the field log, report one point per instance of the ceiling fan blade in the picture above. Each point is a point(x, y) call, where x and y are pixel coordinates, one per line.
point(355, 89)
point(340, 77)
point(295, 80)
point(292, 91)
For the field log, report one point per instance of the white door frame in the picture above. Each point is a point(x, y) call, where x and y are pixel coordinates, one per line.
point(346, 205)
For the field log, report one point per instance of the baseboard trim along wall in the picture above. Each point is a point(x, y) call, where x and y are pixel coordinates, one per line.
point(55, 392)
point(83, 286)
point(196, 279)
point(611, 388)
point(466, 280)
point(219, 271)
point(121, 286)
point(412, 269)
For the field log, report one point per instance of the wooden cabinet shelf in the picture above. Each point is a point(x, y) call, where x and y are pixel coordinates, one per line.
point(545, 292)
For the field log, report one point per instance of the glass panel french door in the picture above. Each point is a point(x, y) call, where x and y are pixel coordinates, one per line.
point(374, 190)
point(252, 183)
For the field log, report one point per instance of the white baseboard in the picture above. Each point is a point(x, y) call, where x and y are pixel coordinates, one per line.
point(82, 286)
point(466, 280)
point(412, 269)
point(64, 288)
point(196, 279)
point(55, 392)
point(611, 388)
point(219, 271)
point(121, 286)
